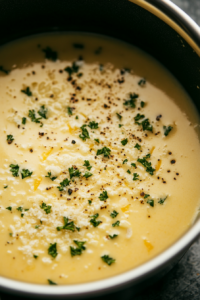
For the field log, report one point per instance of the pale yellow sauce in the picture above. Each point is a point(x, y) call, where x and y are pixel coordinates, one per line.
point(144, 231)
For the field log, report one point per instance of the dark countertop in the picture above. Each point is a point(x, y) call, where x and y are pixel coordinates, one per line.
point(183, 282)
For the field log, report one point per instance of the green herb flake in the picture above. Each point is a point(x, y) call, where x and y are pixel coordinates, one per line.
point(32, 116)
point(51, 177)
point(150, 202)
point(167, 130)
point(10, 234)
point(47, 208)
point(69, 111)
point(128, 171)
point(23, 120)
point(37, 226)
point(26, 173)
point(27, 91)
point(146, 164)
point(93, 125)
point(43, 112)
point(94, 222)
point(103, 196)
point(74, 172)
point(52, 250)
point(116, 224)
point(120, 125)
point(131, 102)
point(85, 134)
point(79, 249)
point(138, 117)
point(107, 259)
point(113, 236)
point(4, 70)
point(5, 187)
point(87, 174)
point(20, 208)
point(119, 116)
point(146, 125)
point(73, 69)
point(87, 164)
point(10, 139)
point(35, 256)
point(67, 225)
point(135, 176)
point(146, 196)
point(105, 151)
point(97, 140)
point(162, 200)
point(14, 169)
point(142, 104)
point(89, 202)
point(137, 146)
point(9, 208)
point(142, 82)
point(133, 165)
point(22, 215)
point(50, 54)
point(63, 184)
point(114, 214)
point(125, 161)
point(51, 282)
point(124, 142)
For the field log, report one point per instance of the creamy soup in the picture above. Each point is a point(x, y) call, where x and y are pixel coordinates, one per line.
point(99, 159)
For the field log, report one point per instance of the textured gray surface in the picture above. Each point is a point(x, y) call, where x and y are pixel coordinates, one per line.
point(183, 282)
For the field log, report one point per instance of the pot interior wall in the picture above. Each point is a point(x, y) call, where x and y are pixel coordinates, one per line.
point(118, 18)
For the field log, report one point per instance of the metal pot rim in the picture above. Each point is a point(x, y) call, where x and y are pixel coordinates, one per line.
point(146, 270)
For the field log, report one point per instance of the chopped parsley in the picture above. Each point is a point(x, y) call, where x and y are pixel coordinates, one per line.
point(135, 176)
point(10, 234)
point(9, 208)
point(128, 171)
point(78, 250)
point(85, 134)
point(31, 115)
point(114, 214)
point(26, 173)
point(50, 54)
point(43, 112)
point(87, 174)
point(125, 161)
point(93, 125)
point(73, 69)
point(131, 102)
point(5, 187)
point(146, 164)
point(133, 165)
point(35, 256)
point(116, 224)
point(27, 91)
point(51, 177)
point(97, 140)
point(87, 164)
point(53, 250)
point(63, 184)
point(138, 117)
point(76, 117)
point(67, 225)
point(94, 222)
point(4, 70)
point(146, 125)
point(69, 111)
point(103, 196)
point(105, 151)
point(14, 169)
point(74, 172)
point(142, 82)
point(107, 259)
point(20, 208)
point(10, 139)
point(142, 104)
point(120, 125)
point(51, 282)
point(119, 116)
point(47, 208)
point(137, 146)
point(146, 196)
point(150, 202)
point(37, 226)
point(23, 120)
point(124, 142)
point(167, 130)
point(113, 236)
point(89, 202)
point(162, 200)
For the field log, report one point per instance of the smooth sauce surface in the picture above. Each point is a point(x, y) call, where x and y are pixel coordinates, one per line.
point(156, 198)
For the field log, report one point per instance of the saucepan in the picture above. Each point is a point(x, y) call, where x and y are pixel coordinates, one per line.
point(158, 27)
